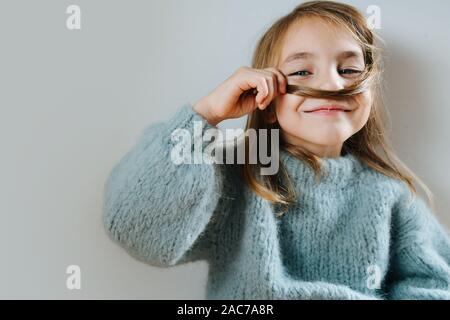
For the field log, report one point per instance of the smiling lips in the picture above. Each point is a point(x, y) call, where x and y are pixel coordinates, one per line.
point(328, 110)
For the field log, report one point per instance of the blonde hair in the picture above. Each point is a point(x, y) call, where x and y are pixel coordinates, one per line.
point(367, 144)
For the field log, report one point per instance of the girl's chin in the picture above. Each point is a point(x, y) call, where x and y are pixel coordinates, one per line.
point(331, 139)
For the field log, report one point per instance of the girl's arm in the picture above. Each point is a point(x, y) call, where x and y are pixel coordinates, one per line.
point(160, 212)
point(420, 257)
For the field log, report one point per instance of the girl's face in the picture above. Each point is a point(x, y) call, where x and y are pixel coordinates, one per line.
point(319, 56)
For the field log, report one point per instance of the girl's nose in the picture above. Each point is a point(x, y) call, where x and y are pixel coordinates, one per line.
point(331, 81)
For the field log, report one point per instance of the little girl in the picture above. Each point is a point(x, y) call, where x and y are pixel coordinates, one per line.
point(341, 218)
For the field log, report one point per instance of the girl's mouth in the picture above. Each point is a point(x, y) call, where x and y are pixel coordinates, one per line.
point(326, 112)
point(328, 109)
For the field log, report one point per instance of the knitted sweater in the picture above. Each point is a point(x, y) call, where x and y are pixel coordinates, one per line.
point(355, 235)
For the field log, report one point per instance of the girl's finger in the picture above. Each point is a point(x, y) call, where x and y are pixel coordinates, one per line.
point(266, 95)
point(271, 79)
point(262, 89)
point(282, 80)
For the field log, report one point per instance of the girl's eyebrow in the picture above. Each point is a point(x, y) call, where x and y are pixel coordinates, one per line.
point(298, 56)
point(308, 55)
point(349, 54)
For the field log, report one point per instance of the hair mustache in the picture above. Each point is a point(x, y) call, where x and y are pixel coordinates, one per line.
point(364, 82)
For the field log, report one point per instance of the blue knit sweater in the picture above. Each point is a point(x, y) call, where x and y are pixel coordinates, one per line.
point(356, 235)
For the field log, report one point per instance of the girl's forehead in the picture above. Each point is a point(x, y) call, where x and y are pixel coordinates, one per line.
point(316, 25)
point(313, 37)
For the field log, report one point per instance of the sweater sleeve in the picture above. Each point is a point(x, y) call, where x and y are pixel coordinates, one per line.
point(161, 212)
point(420, 254)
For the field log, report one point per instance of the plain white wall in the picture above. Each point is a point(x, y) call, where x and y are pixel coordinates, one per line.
point(73, 102)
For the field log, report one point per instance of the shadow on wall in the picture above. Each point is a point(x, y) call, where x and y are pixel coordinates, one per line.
point(416, 118)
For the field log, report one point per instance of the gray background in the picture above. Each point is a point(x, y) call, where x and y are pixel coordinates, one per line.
point(73, 102)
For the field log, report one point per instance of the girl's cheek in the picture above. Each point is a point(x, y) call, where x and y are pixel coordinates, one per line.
point(364, 100)
point(288, 102)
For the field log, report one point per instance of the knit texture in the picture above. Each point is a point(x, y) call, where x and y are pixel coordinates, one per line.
point(357, 234)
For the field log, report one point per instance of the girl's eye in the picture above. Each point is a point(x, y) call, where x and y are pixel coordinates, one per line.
point(349, 71)
point(300, 73)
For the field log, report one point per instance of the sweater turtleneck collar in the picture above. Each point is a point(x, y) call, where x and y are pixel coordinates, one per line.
point(336, 171)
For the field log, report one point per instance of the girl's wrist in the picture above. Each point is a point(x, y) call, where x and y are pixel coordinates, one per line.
point(203, 109)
